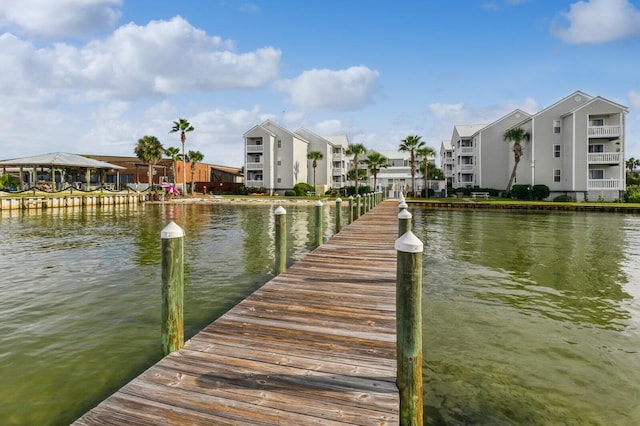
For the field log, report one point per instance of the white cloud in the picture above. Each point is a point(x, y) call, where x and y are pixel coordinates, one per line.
point(163, 57)
point(60, 18)
point(597, 21)
point(634, 98)
point(343, 90)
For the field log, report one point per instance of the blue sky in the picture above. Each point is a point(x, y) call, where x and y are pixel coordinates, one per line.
point(94, 76)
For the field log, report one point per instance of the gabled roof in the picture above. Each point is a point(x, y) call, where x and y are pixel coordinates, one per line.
point(468, 130)
point(596, 99)
point(338, 140)
point(576, 95)
point(525, 117)
point(59, 159)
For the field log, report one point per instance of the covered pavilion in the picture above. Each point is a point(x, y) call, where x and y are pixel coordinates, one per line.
point(58, 164)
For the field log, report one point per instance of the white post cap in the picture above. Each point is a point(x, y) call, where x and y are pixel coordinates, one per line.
point(318, 203)
point(403, 205)
point(338, 200)
point(409, 243)
point(280, 210)
point(404, 214)
point(171, 231)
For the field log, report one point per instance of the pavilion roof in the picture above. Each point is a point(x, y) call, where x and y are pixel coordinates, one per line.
point(59, 159)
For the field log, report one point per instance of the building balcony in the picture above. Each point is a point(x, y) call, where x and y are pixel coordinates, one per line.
point(339, 171)
point(465, 168)
point(604, 158)
point(338, 156)
point(604, 184)
point(465, 151)
point(255, 166)
point(255, 148)
point(254, 183)
point(449, 160)
point(604, 131)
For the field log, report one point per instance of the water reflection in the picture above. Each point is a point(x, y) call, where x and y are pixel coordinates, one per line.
point(530, 318)
point(564, 266)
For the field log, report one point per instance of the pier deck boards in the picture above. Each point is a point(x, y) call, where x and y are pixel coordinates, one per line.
point(313, 346)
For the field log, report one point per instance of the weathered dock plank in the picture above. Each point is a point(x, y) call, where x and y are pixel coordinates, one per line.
point(314, 346)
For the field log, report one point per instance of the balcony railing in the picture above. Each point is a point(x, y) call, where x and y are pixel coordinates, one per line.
point(604, 184)
point(255, 148)
point(254, 183)
point(603, 131)
point(604, 158)
point(338, 171)
point(337, 156)
point(465, 168)
point(465, 151)
point(255, 166)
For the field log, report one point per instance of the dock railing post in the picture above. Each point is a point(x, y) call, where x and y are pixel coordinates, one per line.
point(172, 288)
point(409, 328)
point(281, 240)
point(358, 198)
point(404, 222)
point(318, 224)
point(338, 214)
point(350, 218)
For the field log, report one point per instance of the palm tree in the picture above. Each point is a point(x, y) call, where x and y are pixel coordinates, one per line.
point(424, 154)
point(376, 161)
point(411, 144)
point(315, 156)
point(182, 126)
point(174, 154)
point(149, 150)
point(632, 163)
point(356, 150)
point(194, 157)
point(517, 135)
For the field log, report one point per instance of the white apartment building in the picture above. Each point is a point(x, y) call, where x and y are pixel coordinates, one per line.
point(276, 158)
point(576, 147)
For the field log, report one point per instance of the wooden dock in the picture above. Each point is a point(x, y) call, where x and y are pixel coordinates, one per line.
point(314, 346)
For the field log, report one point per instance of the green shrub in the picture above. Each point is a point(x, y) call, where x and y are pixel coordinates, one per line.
point(289, 193)
point(9, 181)
point(540, 192)
point(241, 190)
point(562, 199)
point(521, 192)
point(301, 188)
point(632, 194)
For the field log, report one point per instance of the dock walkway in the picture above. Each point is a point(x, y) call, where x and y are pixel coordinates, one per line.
point(313, 346)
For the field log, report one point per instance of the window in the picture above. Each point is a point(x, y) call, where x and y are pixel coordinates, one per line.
point(596, 122)
point(256, 159)
point(279, 143)
point(556, 151)
point(258, 141)
point(596, 174)
point(279, 162)
point(279, 180)
point(556, 175)
point(556, 126)
point(596, 147)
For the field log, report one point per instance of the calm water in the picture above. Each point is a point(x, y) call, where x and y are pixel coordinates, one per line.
point(531, 318)
point(528, 318)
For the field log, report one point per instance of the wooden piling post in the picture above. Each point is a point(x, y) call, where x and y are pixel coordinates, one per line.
point(172, 288)
point(358, 198)
point(318, 224)
point(350, 218)
point(281, 240)
point(338, 214)
point(404, 222)
point(409, 328)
